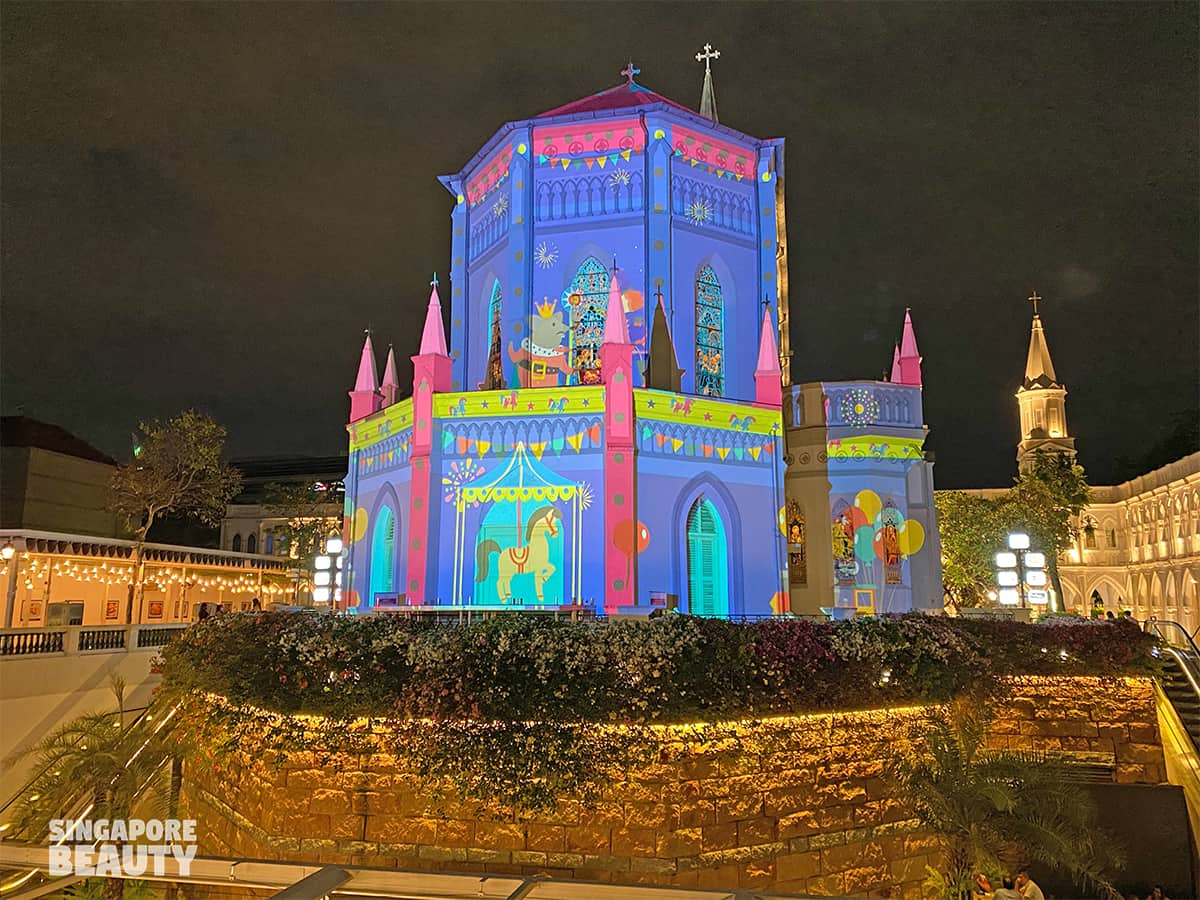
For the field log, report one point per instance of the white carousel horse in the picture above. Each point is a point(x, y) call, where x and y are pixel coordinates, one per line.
point(533, 556)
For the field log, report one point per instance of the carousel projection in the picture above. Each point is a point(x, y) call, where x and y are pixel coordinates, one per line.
point(526, 534)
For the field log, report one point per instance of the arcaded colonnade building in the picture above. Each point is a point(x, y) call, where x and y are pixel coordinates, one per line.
point(1139, 542)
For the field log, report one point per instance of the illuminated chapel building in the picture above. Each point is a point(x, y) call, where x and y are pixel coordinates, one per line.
point(610, 421)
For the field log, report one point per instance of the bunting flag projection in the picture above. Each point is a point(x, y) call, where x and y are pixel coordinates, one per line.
point(713, 170)
point(581, 162)
point(876, 447)
point(383, 457)
point(701, 448)
point(464, 446)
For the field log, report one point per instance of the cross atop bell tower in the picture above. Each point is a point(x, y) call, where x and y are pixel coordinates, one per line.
point(1041, 400)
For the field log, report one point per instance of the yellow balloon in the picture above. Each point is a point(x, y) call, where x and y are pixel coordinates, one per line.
point(911, 537)
point(869, 503)
point(360, 525)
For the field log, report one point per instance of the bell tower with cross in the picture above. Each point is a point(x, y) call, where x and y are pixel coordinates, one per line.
point(1042, 401)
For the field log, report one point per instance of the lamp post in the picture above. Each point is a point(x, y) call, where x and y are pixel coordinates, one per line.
point(1021, 574)
point(327, 577)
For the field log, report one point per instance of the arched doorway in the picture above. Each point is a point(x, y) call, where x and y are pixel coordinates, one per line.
point(383, 553)
point(707, 561)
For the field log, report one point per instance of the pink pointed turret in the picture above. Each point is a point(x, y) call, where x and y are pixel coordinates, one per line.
point(768, 377)
point(390, 387)
point(433, 338)
point(364, 399)
point(616, 329)
point(909, 360)
point(895, 379)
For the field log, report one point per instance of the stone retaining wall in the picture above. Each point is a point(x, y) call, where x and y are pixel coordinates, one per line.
point(790, 804)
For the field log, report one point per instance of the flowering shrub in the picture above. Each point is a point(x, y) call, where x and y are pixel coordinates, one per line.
point(678, 668)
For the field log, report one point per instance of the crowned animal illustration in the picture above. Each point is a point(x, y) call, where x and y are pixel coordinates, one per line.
point(543, 356)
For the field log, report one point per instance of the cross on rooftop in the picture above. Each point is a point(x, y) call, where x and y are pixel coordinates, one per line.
point(708, 56)
point(630, 71)
point(1035, 300)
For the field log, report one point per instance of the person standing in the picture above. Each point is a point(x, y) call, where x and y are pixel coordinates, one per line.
point(202, 612)
point(1027, 887)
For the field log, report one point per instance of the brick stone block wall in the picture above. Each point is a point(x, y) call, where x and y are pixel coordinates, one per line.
point(792, 804)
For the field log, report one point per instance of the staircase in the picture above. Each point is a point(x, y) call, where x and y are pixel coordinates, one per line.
point(1183, 697)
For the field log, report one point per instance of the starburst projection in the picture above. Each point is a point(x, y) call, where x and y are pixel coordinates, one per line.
point(700, 212)
point(619, 177)
point(460, 474)
point(501, 206)
point(545, 254)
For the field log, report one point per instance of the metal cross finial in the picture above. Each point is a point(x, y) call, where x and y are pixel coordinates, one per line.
point(1035, 300)
point(630, 71)
point(708, 56)
point(434, 282)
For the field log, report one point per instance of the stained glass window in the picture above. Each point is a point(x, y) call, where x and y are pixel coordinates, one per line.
point(588, 300)
point(494, 377)
point(710, 335)
point(383, 553)
point(708, 589)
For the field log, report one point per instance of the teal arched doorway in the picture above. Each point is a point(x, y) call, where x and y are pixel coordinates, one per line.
point(707, 561)
point(383, 553)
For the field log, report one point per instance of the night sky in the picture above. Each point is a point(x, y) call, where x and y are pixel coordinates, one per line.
point(204, 205)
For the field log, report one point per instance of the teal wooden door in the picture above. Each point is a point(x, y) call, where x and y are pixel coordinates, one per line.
point(708, 564)
point(383, 553)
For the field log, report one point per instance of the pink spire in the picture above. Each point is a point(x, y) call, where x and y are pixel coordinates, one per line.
point(895, 379)
point(616, 329)
point(433, 338)
point(768, 377)
point(768, 349)
point(390, 386)
point(367, 379)
point(910, 357)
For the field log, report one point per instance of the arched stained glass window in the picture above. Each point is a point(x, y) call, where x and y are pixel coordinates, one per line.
point(383, 553)
point(252, 544)
point(494, 377)
point(710, 335)
point(237, 543)
point(588, 300)
point(707, 562)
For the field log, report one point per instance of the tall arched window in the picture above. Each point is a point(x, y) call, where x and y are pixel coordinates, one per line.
point(708, 562)
point(383, 553)
point(252, 543)
point(494, 377)
point(588, 300)
point(710, 335)
point(237, 543)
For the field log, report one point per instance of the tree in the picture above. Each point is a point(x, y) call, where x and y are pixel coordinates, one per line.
point(1044, 502)
point(176, 469)
point(91, 764)
point(311, 513)
point(992, 809)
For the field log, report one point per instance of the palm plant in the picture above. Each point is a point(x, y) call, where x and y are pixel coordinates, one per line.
point(992, 806)
point(93, 768)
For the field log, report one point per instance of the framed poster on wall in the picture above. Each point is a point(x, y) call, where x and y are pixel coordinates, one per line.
point(154, 609)
point(112, 609)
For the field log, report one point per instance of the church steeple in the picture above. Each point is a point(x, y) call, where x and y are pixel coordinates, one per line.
point(906, 362)
point(1042, 401)
point(433, 337)
point(390, 387)
point(708, 99)
point(662, 369)
point(364, 399)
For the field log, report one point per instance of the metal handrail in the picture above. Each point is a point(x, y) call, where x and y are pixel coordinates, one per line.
point(1168, 628)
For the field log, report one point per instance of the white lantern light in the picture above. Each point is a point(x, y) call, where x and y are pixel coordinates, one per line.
point(1018, 541)
point(321, 595)
point(1035, 578)
point(1007, 578)
point(1006, 560)
point(323, 562)
point(1009, 596)
point(321, 579)
point(333, 546)
point(1035, 560)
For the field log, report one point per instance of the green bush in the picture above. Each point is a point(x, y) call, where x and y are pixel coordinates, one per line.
point(516, 668)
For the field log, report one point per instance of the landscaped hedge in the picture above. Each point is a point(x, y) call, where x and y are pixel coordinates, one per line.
point(678, 668)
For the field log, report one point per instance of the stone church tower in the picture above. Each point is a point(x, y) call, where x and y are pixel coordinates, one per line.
point(1042, 401)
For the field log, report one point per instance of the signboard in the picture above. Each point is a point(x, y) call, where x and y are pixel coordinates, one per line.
point(1037, 598)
